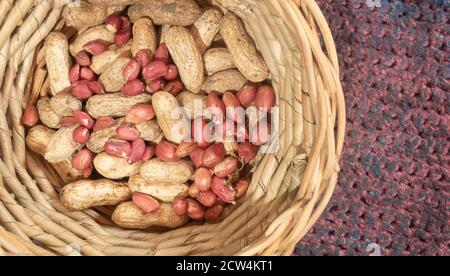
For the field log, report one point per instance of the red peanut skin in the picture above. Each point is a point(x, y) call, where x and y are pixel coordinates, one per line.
point(74, 73)
point(96, 87)
point(155, 86)
point(213, 155)
point(180, 206)
point(84, 119)
point(82, 159)
point(185, 149)
point(216, 107)
point(265, 97)
point(30, 116)
point(172, 72)
point(127, 133)
point(96, 47)
point(246, 95)
point(132, 70)
point(144, 57)
point(103, 122)
point(145, 202)
point(241, 187)
point(207, 199)
point(197, 157)
point(226, 167)
point(233, 106)
point(195, 210)
point(214, 213)
point(174, 87)
point(201, 133)
point(113, 23)
point(86, 73)
point(166, 152)
point(81, 91)
point(148, 154)
point(193, 191)
point(162, 53)
point(83, 58)
point(222, 190)
point(247, 151)
point(118, 148)
point(203, 179)
point(138, 150)
point(68, 121)
point(155, 70)
point(81, 135)
point(133, 88)
point(140, 113)
point(123, 35)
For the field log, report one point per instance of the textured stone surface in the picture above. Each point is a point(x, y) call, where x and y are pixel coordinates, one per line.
point(394, 187)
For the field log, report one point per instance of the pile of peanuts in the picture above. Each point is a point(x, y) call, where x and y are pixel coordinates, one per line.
point(109, 124)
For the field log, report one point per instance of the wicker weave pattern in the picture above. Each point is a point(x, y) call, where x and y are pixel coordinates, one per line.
point(290, 188)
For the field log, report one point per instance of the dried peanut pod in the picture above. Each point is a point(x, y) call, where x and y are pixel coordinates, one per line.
point(99, 138)
point(194, 105)
point(84, 194)
point(229, 80)
point(206, 28)
point(115, 167)
point(150, 131)
point(156, 170)
point(58, 62)
point(37, 140)
point(85, 15)
point(101, 62)
point(166, 12)
point(217, 60)
point(112, 78)
point(46, 113)
point(187, 57)
point(170, 117)
point(61, 146)
point(243, 49)
point(113, 104)
point(128, 215)
point(64, 104)
point(94, 33)
point(162, 33)
point(163, 191)
point(144, 36)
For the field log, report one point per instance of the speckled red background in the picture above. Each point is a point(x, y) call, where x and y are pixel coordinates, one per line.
point(394, 187)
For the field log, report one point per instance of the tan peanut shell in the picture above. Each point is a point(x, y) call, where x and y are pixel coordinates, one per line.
point(61, 146)
point(99, 138)
point(85, 15)
point(113, 104)
point(243, 49)
point(84, 194)
point(162, 33)
point(46, 113)
point(206, 28)
point(163, 191)
point(37, 140)
point(166, 12)
point(58, 62)
point(101, 62)
point(187, 57)
point(229, 80)
point(114, 167)
point(194, 105)
point(170, 117)
point(112, 78)
point(90, 34)
point(64, 104)
point(150, 131)
point(174, 172)
point(129, 216)
point(144, 36)
point(217, 60)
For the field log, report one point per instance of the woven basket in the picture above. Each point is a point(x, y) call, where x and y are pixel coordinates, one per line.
point(290, 188)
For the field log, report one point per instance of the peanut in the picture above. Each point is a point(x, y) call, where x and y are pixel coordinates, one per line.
point(150, 131)
point(124, 35)
point(86, 73)
point(174, 172)
point(83, 58)
point(68, 121)
point(226, 167)
point(265, 98)
point(213, 155)
point(195, 211)
point(196, 157)
point(84, 15)
point(114, 23)
point(46, 113)
point(30, 116)
point(187, 57)
point(84, 194)
point(140, 113)
point(172, 73)
point(206, 28)
point(37, 140)
point(170, 117)
point(144, 57)
point(58, 62)
point(242, 48)
point(247, 152)
point(163, 191)
point(155, 70)
point(109, 3)
point(180, 206)
point(214, 213)
point(162, 53)
point(101, 62)
point(217, 60)
point(118, 148)
point(94, 33)
point(144, 36)
point(115, 167)
point(82, 160)
point(241, 187)
point(222, 190)
point(64, 104)
point(61, 146)
point(128, 133)
point(145, 202)
point(194, 105)
point(113, 104)
point(148, 154)
point(81, 90)
point(133, 88)
point(138, 151)
point(229, 80)
point(246, 95)
point(203, 179)
point(95, 47)
point(74, 73)
point(112, 78)
point(132, 70)
point(185, 149)
point(99, 138)
point(207, 198)
point(166, 12)
point(102, 123)
point(128, 215)
point(81, 135)
point(96, 87)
